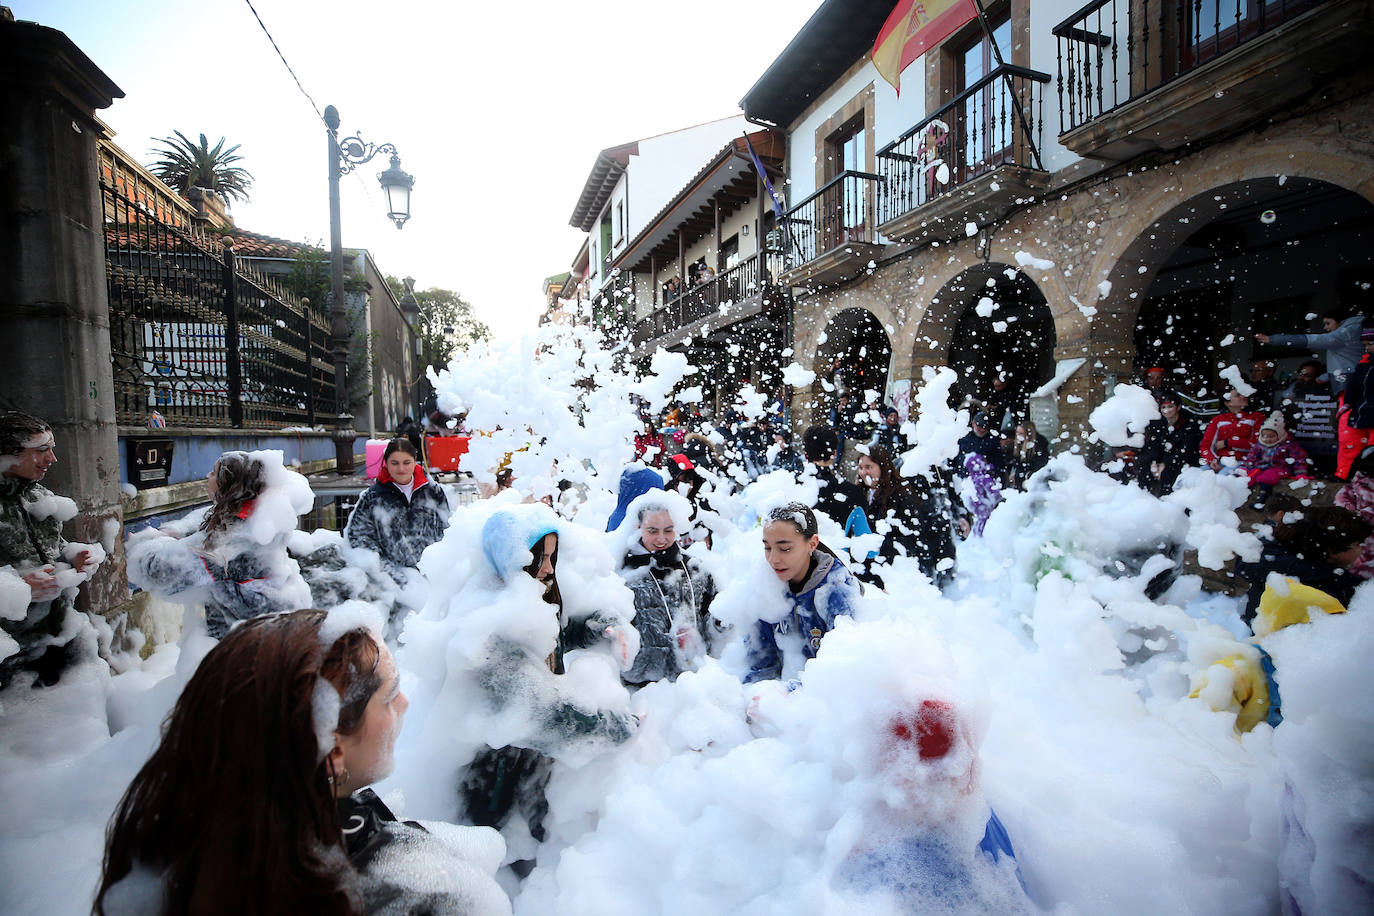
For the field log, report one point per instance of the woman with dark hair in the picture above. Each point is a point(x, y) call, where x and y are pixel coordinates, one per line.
point(510, 780)
point(913, 521)
point(401, 514)
point(242, 566)
point(245, 808)
point(818, 589)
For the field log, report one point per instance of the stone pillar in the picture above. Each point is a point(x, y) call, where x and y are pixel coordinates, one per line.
point(53, 307)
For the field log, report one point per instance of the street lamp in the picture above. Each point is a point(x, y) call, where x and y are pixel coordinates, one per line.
point(344, 157)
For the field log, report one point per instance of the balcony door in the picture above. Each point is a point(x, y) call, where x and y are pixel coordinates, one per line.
point(845, 217)
point(987, 121)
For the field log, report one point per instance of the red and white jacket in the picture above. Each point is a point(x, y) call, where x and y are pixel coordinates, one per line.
point(1231, 435)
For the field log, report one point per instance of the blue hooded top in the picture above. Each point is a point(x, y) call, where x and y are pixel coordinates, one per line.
point(509, 536)
point(635, 481)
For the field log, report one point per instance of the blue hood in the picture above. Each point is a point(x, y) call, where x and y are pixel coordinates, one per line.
point(509, 536)
point(634, 482)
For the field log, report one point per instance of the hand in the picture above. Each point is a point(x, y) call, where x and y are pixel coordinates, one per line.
point(1262, 338)
point(620, 646)
point(1214, 464)
point(82, 560)
point(1156, 469)
point(42, 583)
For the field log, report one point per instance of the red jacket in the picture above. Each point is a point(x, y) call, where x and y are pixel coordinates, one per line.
point(1231, 435)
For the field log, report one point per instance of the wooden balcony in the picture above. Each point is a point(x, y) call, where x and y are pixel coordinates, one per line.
point(1138, 76)
point(832, 235)
point(743, 291)
point(971, 161)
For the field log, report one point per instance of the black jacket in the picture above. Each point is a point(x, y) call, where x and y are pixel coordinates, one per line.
point(398, 529)
point(837, 498)
point(1176, 448)
point(1359, 395)
point(1314, 572)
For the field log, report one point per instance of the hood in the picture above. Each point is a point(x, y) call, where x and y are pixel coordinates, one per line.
point(635, 481)
point(509, 536)
point(420, 478)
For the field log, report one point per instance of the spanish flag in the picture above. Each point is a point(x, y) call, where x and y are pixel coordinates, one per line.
point(913, 28)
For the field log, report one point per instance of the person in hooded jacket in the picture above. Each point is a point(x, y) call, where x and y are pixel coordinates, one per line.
point(635, 481)
point(244, 578)
point(401, 514)
point(818, 589)
point(672, 595)
point(502, 782)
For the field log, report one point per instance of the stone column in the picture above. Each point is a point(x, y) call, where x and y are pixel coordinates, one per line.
point(55, 348)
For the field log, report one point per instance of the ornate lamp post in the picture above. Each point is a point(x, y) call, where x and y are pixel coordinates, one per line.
point(344, 157)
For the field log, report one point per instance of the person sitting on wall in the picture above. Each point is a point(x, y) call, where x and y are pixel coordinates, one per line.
point(1171, 442)
point(1265, 385)
point(980, 441)
point(1229, 436)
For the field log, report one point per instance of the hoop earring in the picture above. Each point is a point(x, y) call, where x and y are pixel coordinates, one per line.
point(337, 780)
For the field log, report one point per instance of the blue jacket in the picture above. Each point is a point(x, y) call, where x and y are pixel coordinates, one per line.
point(765, 658)
point(1343, 348)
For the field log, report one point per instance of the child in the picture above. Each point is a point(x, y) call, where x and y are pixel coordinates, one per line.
point(1276, 456)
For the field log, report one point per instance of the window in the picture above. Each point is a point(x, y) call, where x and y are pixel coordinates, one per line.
point(845, 206)
point(619, 221)
point(605, 248)
point(987, 123)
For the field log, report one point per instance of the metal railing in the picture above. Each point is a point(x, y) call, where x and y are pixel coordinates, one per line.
point(1112, 51)
point(199, 338)
point(747, 278)
point(999, 120)
point(844, 210)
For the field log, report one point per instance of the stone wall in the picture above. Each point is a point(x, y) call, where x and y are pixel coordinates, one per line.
point(1117, 224)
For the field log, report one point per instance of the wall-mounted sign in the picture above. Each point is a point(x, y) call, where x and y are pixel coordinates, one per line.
point(150, 462)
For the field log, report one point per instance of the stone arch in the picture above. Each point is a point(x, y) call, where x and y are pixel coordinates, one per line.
point(1144, 236)
point(857, 337)
point(951, 328)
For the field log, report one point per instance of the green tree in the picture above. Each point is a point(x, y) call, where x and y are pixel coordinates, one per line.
point(309, 278)
point(185, 165)
point(447, 322)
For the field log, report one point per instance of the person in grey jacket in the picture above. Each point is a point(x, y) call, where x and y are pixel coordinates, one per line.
point(673, 594)
point(1340, 339)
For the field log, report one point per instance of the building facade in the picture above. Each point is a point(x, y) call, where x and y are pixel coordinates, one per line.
point(1071, 195)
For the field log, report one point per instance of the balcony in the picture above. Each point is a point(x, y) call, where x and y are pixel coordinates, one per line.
point(741, 292)
point(832, 235)
point(969, 162)
point(1136, 76)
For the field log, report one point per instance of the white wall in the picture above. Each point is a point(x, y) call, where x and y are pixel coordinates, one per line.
point(667, 162)
point(893, 116)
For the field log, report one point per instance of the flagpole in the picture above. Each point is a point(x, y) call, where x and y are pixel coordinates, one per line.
point(782, 219)
point(1011, 89)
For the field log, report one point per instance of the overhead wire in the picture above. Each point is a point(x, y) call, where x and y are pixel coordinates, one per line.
point(308, 97)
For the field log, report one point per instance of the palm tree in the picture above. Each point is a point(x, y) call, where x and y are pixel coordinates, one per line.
point(185, 165)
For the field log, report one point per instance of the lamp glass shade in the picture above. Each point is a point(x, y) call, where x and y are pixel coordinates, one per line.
point(396, 184)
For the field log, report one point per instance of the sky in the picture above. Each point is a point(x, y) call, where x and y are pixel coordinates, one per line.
point(497, 109)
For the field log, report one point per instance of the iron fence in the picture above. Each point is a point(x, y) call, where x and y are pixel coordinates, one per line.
point(999, 120)
point(747, 278)
point(1112, 51)
point(844, 210)
point(200, 339)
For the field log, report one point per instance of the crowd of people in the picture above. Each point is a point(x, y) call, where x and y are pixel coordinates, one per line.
point(283, 760)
